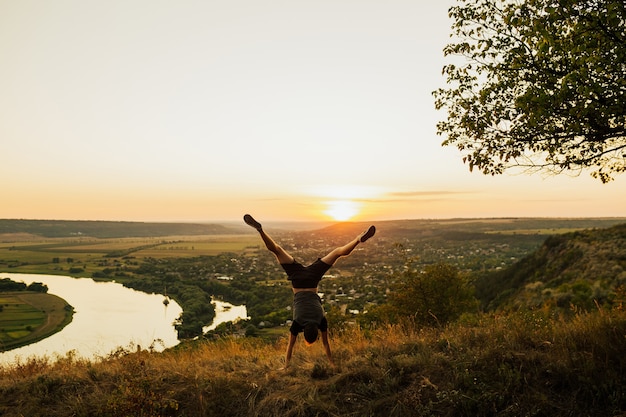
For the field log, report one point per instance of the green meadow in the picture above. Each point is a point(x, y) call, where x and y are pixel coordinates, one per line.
point(18, 318)
point(26, 317)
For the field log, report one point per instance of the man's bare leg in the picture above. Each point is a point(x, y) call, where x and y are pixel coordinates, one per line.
point(281, 255)
point(347, 249)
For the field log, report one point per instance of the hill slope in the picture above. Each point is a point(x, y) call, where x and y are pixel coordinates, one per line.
point(506, 366)
point(578, 268)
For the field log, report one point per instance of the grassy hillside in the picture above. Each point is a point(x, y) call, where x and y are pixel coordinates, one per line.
point(519, 364)
point(579, 269)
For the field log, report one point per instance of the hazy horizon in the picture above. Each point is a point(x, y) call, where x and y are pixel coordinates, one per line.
point(325, 221)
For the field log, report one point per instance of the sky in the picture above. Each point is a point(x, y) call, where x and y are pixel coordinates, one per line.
point(159, 110)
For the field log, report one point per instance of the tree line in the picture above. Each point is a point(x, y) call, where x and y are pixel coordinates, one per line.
point(7, 285)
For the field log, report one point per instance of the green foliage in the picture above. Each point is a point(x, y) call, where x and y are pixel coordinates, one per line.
point(37, 287)
point(193, 281)
point(338, 322)
point(576, 270)
point(6, 284)
point(541, 84)
point(435, 295)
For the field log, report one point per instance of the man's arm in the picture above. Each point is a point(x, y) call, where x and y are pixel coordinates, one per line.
point(327, 347)
point(292, 342)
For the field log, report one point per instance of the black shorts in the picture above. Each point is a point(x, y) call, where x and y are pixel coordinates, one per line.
point(305, 276)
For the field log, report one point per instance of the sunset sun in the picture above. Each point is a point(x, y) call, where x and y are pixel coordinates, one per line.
point(341, 210)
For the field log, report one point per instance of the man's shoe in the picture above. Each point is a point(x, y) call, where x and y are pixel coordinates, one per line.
point(370, 232)
point(251, 222)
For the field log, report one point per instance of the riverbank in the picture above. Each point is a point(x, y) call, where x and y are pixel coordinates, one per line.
point(28, 317)
point(107, 316)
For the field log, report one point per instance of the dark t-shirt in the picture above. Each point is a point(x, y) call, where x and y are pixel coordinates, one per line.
point(307, 308)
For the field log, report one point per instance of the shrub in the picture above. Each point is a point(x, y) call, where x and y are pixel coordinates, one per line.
point(437, 295)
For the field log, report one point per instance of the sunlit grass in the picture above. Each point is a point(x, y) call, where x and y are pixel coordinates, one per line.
point(519, 364)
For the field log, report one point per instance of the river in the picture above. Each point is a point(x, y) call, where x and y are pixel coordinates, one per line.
point(107, 316)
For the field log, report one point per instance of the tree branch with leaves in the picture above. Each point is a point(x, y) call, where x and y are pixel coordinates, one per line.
point(538, 84)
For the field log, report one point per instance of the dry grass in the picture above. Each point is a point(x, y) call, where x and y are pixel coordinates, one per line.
point(522, 364)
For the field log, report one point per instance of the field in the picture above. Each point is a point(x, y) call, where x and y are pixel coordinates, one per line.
point(54, 247)
point(82, 257)
point(27, 317)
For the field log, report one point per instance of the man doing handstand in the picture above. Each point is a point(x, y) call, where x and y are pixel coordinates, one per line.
point(308, 314)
